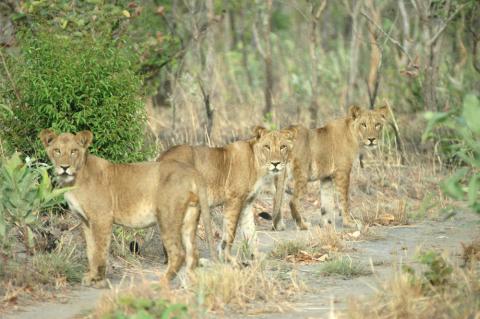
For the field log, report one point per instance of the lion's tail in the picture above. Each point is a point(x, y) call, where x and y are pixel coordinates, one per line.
point(206, 216)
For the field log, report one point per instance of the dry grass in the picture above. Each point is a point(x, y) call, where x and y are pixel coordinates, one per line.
point(226, 288)
point(217, 288)
point(37, 276)
point(471, 252)
point(319, 244)
point(404, 297)
point(387, 193)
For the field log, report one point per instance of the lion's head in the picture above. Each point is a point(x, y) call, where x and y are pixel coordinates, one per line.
point(368, 124)
point(67, 152)
point(272, 149)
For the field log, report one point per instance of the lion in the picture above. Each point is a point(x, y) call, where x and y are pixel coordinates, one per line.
point(327, 154)
point(135, 195)
point(234, 174)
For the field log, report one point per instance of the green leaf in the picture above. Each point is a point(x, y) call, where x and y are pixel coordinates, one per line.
point(433, 118)
point(451, 185)
point(471, 112)
point(473, 189)
point(3, 226)
point(31, 237)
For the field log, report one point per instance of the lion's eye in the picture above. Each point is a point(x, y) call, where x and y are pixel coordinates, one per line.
point(378, 125)
point(74, 152)
point(266, 146)
point(364, 124)
point(283, 147)
point(56, 152)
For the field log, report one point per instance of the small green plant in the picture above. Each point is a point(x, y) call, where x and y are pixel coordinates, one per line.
point(460, 143)
point(437, 270)
point(147, 308)
point(345, 267)
point(25, 191)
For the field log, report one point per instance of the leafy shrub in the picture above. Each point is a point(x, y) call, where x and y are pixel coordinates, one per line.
point(460, 142)
point(25, 191)
point(72, 84)
point(437, 270)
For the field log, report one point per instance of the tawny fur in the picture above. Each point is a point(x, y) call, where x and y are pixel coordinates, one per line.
point(135, 195)
point(327, 154)
point(235, 172)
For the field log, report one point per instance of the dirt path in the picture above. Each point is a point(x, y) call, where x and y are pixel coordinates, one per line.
point(397, 245)
point(394, 245)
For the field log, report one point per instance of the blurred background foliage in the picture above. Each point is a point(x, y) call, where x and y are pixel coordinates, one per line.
point(154, 73)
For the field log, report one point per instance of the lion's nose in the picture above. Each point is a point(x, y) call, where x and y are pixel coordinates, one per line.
point(275, 163)
point(371, 139)
point(64, 167)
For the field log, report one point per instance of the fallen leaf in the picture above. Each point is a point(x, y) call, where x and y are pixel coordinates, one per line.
point(386, 218)
point(355, 234)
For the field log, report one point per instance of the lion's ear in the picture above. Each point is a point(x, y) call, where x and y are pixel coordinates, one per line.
point(383, 111)
point(354, 111)
point(84, 138)
point(290, 133)
point(47, 136)
point(259, 131)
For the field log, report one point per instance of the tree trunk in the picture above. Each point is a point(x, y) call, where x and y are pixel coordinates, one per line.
point(315, 13)
point(268, 61)
point(245, 48)
point(354, 52)
point(209, 60)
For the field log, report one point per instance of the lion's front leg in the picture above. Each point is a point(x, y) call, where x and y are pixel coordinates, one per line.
point(280, 181)
point(296, 204)
point(232, 211)
point(342, 184)
point(97, 237)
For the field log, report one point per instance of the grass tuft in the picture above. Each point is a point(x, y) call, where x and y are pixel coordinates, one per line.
point(319, 242)
point(223, 285)
point(345, 267)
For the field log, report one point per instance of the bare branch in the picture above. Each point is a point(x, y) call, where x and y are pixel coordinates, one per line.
point(9, 76)
point(389, 37)
point(442, 28)
point(256, 40)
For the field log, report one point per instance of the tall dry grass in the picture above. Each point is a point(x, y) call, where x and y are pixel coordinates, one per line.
point(218, 288)
point(404, 297)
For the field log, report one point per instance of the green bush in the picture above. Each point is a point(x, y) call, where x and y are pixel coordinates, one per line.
point(25, 191)
point(72, 84)
point(460, 143)
point(437, 271)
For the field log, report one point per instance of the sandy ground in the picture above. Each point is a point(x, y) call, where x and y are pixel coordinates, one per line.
point(394, 245)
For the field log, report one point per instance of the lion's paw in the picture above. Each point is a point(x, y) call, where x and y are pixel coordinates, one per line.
point(304, 225)
point(93, 281)
point(279, 227)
